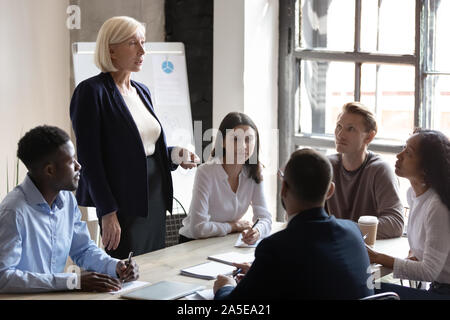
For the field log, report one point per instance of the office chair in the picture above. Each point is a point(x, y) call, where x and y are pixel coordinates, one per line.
point(383, 296)
point(173, 223)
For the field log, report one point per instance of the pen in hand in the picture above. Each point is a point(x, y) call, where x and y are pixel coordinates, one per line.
point(257, 220)
point(128, 263)
point(236, 272)
point(129, 257)
point(247, 236)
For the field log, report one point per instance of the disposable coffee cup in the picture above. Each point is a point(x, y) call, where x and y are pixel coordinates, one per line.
point(368, 226)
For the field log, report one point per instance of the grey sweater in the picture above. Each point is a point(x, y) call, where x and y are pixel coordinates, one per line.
point(372, 189)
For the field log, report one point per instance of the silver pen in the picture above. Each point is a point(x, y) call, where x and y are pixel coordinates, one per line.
point(129, 257)
point(128, 263)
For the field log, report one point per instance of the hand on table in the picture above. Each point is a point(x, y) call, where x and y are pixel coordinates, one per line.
point(373, 255)
point(383, 259)
point(227, 280)
point(244, 269)
point(98, 282)
point(222, 281)
point(127, 271)
point(240, 225)
point(250, 236)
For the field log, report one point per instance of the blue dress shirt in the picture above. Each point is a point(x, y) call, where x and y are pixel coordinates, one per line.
point(36, 240)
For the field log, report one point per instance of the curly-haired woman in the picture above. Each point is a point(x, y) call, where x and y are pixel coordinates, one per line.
point(425, 162)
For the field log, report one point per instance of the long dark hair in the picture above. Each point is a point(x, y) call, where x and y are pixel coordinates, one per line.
point(434, 155)
point(231, 121)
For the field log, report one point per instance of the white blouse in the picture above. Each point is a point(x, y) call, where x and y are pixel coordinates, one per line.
point(214, 204)
point(148, 127)
point(429, 240)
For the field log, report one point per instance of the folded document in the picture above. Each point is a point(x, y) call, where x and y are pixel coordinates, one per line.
point(164, 290)
point(233, 257)
point(208, 270)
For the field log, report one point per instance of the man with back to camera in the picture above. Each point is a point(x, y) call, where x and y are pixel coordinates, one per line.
point(40, 224)
point(317, 256)
point(365, 184)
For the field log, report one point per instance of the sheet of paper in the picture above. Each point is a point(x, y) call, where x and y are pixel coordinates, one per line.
point(127, 286)
point(207, 294)
point(208, 270)
point(169, 80)
point(233, 257)
point(241, 244)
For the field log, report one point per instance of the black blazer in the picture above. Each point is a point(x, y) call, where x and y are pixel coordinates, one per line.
point(110, 149)
point(316, 257)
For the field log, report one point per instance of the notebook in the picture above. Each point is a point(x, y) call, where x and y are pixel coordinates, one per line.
point(128, 286)
point(208, 270)
point(163, 290)
point(230, 257)
point(207, 294)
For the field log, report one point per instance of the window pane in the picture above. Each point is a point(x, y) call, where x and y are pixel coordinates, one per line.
point(439, 101)
point(388, 91)
point(327, 24)
point(441, 50)
point(388, 26)
point(324, 88)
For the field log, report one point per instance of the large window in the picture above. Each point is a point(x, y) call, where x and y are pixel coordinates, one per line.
point(436, 93)
point(350, 50)
point(392, 55)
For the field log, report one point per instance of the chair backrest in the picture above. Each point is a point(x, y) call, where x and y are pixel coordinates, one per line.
point(173, 223)
point(383, 296)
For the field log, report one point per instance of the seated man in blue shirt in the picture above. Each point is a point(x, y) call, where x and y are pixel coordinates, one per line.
point(40, 225)
point(317, 256)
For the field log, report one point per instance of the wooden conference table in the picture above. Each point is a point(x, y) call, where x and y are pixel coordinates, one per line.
point(165, 264)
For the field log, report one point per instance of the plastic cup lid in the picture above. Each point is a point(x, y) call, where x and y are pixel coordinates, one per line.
point(368, 219)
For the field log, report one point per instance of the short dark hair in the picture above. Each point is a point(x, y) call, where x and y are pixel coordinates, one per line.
point(39, 144)
point(309, 174)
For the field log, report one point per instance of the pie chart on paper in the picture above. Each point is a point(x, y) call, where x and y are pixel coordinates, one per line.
point(167, 67)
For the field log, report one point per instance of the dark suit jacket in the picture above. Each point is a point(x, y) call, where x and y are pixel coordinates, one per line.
point(110, 150)
point(316, 257)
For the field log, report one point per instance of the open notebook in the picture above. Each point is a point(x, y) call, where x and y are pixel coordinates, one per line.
point(208, 270)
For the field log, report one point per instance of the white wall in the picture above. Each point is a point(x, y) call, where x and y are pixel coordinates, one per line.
point(35, 64)
point(261, 85)
point(34, 85)
point(228, 60)
point(245, 77)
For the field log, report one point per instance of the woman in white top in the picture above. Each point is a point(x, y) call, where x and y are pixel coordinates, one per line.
point(227, 184)
point(425, 162)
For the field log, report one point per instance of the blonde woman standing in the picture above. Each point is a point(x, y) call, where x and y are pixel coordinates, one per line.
point(122, 146)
